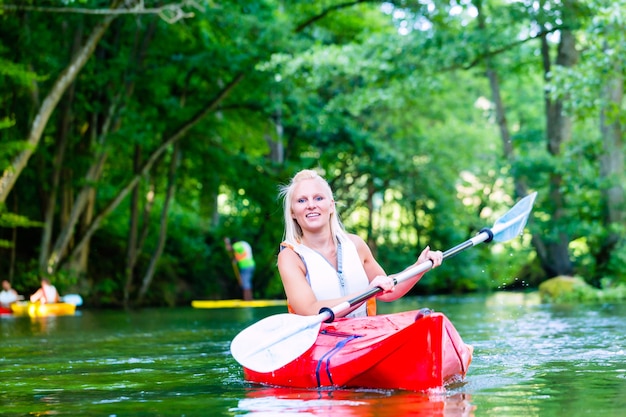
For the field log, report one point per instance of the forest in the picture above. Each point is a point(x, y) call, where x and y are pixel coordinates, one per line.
point(135, 135)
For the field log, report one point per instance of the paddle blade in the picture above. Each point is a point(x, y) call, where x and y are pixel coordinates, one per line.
point(75, 299)
point(275, 341)
point(513, 222)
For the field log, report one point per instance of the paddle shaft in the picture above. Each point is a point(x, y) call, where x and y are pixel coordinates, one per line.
point(233, 260)
point(330, 313)
point(485, 235)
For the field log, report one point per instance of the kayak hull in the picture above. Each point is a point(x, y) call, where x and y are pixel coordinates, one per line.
point(414, 350)
point(41, 310)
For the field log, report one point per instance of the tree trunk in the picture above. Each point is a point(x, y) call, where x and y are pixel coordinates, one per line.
point(77, 207)
point(553, 254)
point(13, 247)
point(612, 166)
point(156, 154)
point(556, 261)
point(275, 139)
point(171, 187)
point(521, 188)
point(131, 250)
point(81, 260)
point(65, 120)
point(371, 241)
point(67, 77)
point(66, 235)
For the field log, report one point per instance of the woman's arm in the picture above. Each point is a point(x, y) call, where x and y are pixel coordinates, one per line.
point(377, 275)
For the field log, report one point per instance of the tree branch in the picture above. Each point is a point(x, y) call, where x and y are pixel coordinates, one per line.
point(171, 13)
point(326, 12)
point(493, 52)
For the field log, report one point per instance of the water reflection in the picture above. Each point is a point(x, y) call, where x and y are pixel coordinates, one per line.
point(345, 403)
point(43, 325)
point(531, 359)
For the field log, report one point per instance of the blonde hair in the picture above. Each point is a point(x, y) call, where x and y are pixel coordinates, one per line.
point(293, 231)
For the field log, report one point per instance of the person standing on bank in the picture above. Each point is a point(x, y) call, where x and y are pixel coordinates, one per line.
point(245, 264)
point(320, 263)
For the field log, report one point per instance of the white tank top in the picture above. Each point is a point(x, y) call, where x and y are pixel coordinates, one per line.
point(328, 282)
point(7, 297)
point(50, 293)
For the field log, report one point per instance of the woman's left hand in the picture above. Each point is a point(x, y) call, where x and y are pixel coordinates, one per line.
point(385, 283)
point(435, 256)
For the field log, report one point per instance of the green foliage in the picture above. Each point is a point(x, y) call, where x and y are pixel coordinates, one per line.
point(30, 279)
point(575, 290)
point(389, 100)
point(13, 220)
point(18, 73)
point(603, 52)
point(105, 291)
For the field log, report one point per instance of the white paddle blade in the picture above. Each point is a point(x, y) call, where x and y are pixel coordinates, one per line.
point(75, 299)
point(513, 222)
point(275, 341)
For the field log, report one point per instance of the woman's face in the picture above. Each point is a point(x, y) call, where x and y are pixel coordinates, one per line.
point(311, 206)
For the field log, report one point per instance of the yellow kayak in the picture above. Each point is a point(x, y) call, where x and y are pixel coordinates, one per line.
point(236, 303)
point(26, 308)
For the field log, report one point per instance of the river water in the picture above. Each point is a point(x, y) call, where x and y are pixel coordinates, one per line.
point(530, 359)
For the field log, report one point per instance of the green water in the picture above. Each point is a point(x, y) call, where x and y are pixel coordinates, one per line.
point(530, 359)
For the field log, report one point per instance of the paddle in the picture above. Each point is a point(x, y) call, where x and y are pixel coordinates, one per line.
point(277, 340)
point(233, 261)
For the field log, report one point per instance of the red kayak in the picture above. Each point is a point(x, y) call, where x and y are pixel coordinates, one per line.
point(414, 350)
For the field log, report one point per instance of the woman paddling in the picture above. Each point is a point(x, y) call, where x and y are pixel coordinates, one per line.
point(322, 265)
point(46, 294)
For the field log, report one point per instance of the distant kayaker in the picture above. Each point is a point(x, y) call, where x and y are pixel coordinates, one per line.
point(8, 295)
point(322, 265)
point(46, 294)
point(241, 251)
